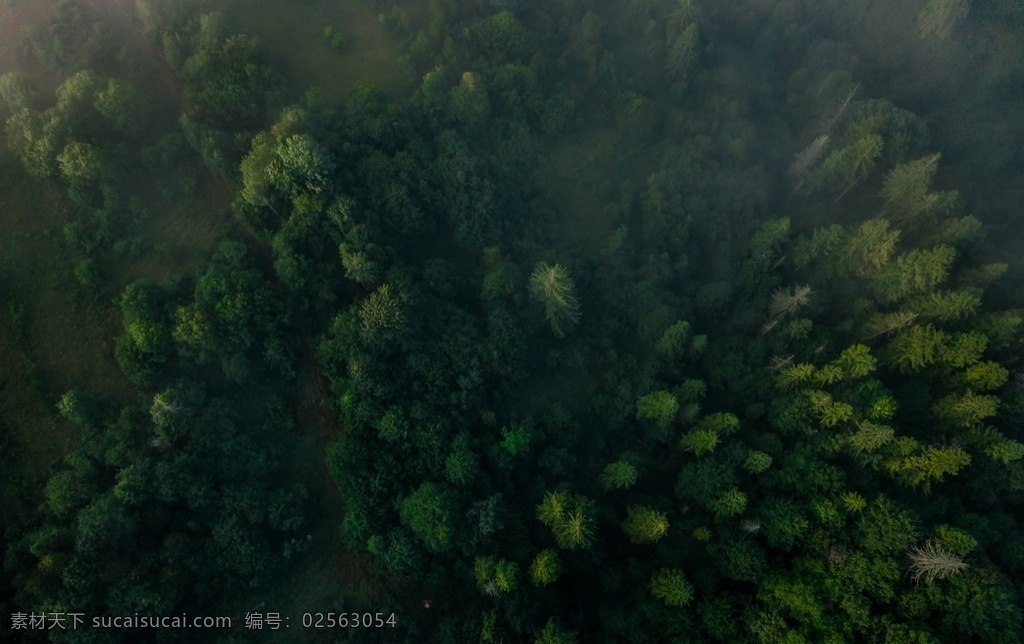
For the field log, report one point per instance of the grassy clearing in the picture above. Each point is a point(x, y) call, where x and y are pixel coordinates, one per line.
point(54, 334)
point(306, 58)
point(329, 577)
point(180, 236)
point(51, 339)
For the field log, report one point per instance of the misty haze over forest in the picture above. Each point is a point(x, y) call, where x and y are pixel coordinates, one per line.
point(508, 320)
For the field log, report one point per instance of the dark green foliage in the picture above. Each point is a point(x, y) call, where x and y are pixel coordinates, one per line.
point(429, 513)
point(88, 274)
point(235, 318)
point(704, 480)
point(122, 107)
point(226, 80)
point(462, 464)
point(121, 485)
point(552, 633)
point(741, 560)
point(515, 441)
point(145, 321)
point(886, 529)
point(784, 523)
point(745, 404)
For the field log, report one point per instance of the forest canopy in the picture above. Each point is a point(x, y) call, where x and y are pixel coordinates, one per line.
point(596, 322)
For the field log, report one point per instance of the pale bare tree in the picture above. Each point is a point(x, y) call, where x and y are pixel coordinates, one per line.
point(781, 362)
point(890, 322)
point(750, 527)
point(938, 17)
point(930, 562)
point(786, 301)
point(768, 326)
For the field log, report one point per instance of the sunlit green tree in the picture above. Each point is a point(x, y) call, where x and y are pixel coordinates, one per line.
point(619, 475)
point(645, 525)
point(545, 568)
point(570, 517)
point(670, 586)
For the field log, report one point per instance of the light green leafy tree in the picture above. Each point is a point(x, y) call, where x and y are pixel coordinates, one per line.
point(964, 349)
point(955, 540)
point(1005, 451)
point(462, 463)
point(820, 245)
point(620, 475)
point(303, 164)
point(757, 462)
point(669, 585)
point(645, 525)
point(678, 341)
point(985, 376)
point(383, 312)
point(35, 141)
point(469, 101)
point(82, 162)
point(918, 347)
point(946, 306)
point(257, 179)
point(906, 190)
point(74, 407)
point(194, 334)
point(122, 106)
point(966, 410)
point(483, 569)
point(392, 426)
point(506, 575)
point(730, 504)
point(917, 272)
point(870, 437)
point(699, 441)
point(546, 567)
point(866, 250)
point(856, 362)
point(884, 528)
point(429, 512)
point(659, 408)
point(570, 517)
point(930, 464)
point(552, 633)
